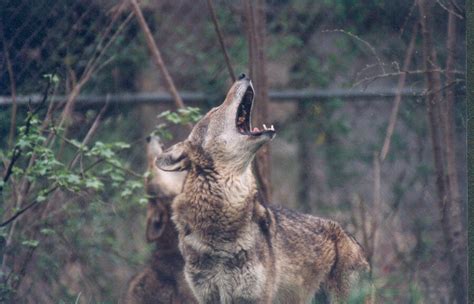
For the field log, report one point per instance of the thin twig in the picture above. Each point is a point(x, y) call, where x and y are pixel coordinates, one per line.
point(91, 68)
point(17, 150)
point(221, 39)
point(21, 191)
point(449, 10)
point(413, 72)
point(91, 131)
point(365, 69)
point(94, 68)
point(22, 271)
point(371, 48)
point(75, 145)
point(26, 208)
point(12, 86)
point(410, 13)
point(456, 6)
point(99, 48)
point(398, 97)
point(441, 89)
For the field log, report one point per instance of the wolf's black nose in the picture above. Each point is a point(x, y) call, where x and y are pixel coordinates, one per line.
point(242, 76)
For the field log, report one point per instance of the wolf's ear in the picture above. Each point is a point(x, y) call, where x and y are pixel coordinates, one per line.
point(174, 158)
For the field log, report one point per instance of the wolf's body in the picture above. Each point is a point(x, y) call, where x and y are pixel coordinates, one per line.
point(236, 249)
point(162, 281)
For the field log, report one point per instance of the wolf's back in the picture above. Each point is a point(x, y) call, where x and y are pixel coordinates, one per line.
point(336, 256)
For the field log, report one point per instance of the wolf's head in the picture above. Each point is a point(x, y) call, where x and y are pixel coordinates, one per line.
point(161, 188)
point(224, 137)
point(160, 183)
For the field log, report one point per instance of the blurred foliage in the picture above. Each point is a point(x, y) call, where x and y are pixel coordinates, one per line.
point(185, 116)
point(96, 180)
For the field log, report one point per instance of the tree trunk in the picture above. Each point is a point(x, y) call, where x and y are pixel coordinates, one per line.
point(439, 123)
point(255, 23)
point(448, 109)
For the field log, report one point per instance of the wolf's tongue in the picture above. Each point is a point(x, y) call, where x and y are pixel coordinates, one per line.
point(256, 129)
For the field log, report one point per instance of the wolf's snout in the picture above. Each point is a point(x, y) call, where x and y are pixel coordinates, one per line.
point(243, 76)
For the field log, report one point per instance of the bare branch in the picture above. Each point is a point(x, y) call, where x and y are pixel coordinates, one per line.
point(413, 72)
point(398, 97)
point(12, 87)
point(449, 10)
point(17, 151)
point(365, 69)
point(410, 13)
point(156, 54)
point(456, 6)
point(92, 67)
point(91, 131)
point(24, 209)
point(371, 48)
point(221, 39)
point(100, 48)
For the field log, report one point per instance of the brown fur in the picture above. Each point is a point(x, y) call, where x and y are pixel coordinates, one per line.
point(236, 249)
point(162, 281)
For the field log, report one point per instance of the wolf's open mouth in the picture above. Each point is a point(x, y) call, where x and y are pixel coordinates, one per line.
point(243, 119)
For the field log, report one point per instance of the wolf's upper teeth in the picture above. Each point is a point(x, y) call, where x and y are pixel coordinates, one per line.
point(272, 128)
point(265, 127)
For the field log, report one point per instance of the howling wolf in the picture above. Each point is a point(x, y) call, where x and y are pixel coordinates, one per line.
point(162, 281)
point(237, 249)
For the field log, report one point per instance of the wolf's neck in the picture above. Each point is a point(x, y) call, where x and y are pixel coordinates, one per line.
point(223, 192)
point(236, 186)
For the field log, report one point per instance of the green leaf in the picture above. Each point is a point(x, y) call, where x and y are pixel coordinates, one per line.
point(125, 193)
point(54, 78)
point(164, 114)
point(121, 145)
point(22, 143)
point(30, 243)
point(47, 231)
point(73, 179)
point(94, 183)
